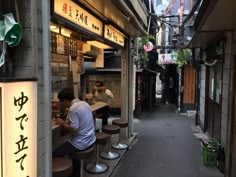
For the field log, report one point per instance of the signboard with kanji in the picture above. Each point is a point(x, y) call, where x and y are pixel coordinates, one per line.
point(74, 13)
point(114, 35)
point(167, 58)
point(18, 111)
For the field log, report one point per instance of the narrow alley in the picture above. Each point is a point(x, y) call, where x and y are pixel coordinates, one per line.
point(165, 146)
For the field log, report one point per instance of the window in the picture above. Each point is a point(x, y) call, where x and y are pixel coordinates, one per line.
point(215, 82)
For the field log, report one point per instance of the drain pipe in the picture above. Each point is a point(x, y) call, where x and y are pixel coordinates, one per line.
point(132, 18)
point(47, 87)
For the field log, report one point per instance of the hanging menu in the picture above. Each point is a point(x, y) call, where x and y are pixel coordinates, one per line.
point(63, 45)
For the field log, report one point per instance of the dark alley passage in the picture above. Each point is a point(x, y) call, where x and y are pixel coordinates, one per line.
point(165, 147)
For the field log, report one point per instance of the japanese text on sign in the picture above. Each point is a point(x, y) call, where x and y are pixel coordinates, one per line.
point(74, 13)
point(19, 129)
point(114, 35)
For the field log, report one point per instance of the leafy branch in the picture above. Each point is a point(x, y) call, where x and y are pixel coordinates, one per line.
point(145, 39)
point(181, 57)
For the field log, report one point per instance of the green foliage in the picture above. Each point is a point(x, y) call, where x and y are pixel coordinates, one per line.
point(181, 57)
point(142, 56)
point(145, 39)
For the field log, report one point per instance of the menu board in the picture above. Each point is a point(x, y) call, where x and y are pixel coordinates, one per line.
point(63, 45)
point(59, 71)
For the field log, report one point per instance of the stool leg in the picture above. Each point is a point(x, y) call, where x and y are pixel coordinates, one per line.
point(110, 155)
point(120, 145)
point(81, 168)
point(97, 167)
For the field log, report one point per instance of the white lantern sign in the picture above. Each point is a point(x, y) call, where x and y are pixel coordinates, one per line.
point(18, 121)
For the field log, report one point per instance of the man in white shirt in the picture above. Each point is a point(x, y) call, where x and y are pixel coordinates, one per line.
point(79, 123)
point(101, 93)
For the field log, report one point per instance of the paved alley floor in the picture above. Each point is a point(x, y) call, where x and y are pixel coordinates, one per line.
point(164, 147)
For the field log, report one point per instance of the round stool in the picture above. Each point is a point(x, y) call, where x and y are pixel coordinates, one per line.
point(82, 155)
point(109, 154)
point(61, 167)
point(98, 167)
point(122, 124)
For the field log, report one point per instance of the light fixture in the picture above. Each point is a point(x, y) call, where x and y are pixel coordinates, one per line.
point(148, 47)
point(65, 32)
point(53, 27)
point(99, 44)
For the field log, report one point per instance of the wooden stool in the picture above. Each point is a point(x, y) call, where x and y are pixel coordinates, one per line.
point(82, 155)
point(122, 124)
point(109, 154)
point(61, 167)
point(98, 167)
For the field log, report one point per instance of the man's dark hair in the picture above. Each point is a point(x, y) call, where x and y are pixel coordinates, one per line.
point(100, 83)
point(66, 94)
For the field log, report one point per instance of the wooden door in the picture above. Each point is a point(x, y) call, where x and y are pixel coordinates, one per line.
point(189, 85)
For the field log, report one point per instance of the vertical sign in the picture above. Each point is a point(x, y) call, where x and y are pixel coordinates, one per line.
point(19, 129)
point(123, 72)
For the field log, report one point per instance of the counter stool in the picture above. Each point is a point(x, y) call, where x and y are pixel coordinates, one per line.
point(61, 167)
point(109, 154)
point(98, 167)
point(82, 155)
point(122, 124)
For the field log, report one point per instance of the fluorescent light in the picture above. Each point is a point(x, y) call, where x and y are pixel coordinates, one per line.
point(99, 45)
point(53, 27)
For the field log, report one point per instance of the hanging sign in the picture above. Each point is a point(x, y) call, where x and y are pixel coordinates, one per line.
point(167, 58)
point(74, 13)
point(114, 35)
point(18, 121)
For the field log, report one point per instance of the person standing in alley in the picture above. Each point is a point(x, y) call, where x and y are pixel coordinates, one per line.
point(101, 93)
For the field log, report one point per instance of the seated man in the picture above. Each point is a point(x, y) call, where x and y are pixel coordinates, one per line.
point(101, 93)
point(79, 123)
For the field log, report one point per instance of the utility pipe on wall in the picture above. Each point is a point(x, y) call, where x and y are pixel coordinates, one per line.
point(47, 87)
point(132, 17)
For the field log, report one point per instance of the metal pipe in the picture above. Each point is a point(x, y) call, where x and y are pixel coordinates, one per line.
point(150, 17)
point(47, 87)
point(180, 90)
point(132, 17)
point(192, 11)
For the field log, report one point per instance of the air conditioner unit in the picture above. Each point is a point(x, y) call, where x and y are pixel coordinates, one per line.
point(90, 50)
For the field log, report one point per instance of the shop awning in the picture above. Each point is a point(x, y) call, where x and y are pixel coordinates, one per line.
point(214, 18)
point(117, 12)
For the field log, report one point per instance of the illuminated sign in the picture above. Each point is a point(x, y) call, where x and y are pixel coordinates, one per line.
point(114, 35)
point(18, 113)
point(167, 58)
point(74, 13)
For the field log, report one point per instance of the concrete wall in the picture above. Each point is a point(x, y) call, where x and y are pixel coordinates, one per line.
point(27, 59)
point(227, 69)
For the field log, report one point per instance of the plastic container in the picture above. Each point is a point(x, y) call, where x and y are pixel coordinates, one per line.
point(209, 152)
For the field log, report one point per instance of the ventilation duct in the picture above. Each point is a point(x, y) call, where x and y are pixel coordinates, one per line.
point(91, 51)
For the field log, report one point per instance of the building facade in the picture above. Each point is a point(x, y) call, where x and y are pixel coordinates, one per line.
point(32, 57)
point(216, 40)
